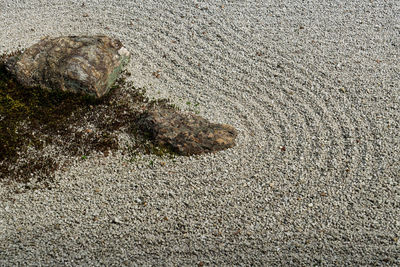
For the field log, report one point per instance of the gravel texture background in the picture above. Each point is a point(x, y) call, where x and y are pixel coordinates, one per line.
point(311, 86)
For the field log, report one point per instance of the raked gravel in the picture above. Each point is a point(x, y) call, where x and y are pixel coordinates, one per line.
point(311, 86)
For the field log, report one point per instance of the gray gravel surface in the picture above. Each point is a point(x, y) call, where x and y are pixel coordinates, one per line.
point(311, 86)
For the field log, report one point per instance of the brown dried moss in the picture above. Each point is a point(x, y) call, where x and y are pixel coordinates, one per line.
point(33, 118)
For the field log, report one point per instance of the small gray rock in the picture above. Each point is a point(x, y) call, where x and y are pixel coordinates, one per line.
point(116, 220)
point(79, 64)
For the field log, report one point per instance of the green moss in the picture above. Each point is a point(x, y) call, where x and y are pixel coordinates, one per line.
point(161, 151)
point(144, 145)
point(33, 107)
point(31, 117)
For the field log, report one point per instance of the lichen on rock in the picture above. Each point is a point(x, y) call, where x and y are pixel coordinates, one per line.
point(185, 133)
point(79, 64)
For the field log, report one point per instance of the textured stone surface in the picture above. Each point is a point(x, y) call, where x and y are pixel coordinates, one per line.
point(79, 64)
point(185, 134)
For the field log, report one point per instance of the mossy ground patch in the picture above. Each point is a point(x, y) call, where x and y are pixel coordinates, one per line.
point(33, 118)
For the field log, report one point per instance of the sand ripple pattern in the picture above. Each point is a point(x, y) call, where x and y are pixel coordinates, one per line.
point(314, 90)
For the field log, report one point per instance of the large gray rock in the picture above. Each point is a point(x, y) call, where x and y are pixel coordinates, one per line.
point(79, 64)
point(186, 134)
